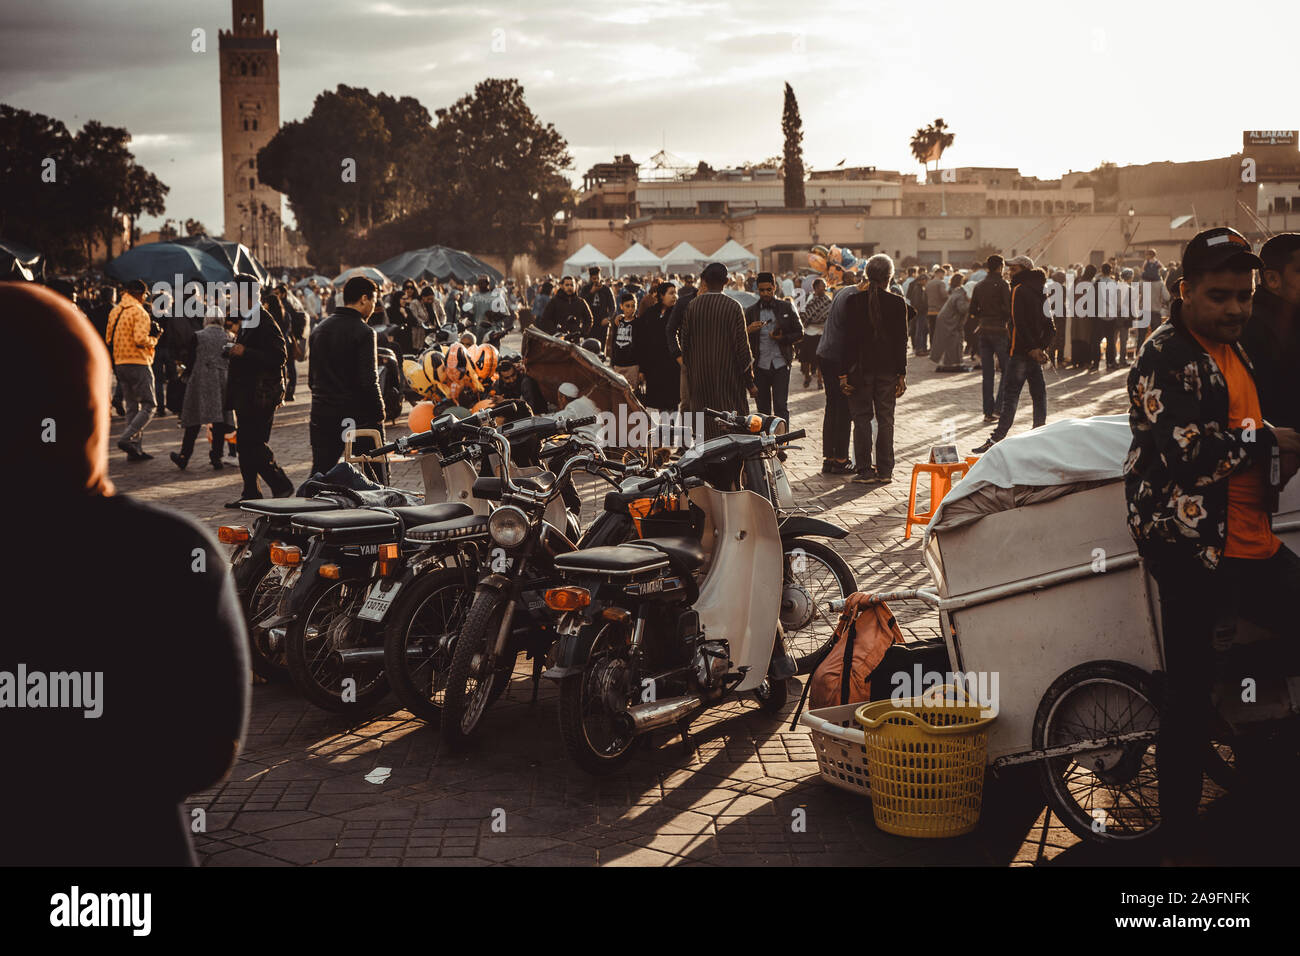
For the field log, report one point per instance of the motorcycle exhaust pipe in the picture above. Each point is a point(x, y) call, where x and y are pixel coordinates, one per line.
point(349, 657)
point(660, 713)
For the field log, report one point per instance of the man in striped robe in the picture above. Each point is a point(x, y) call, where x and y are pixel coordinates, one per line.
point(715, 351)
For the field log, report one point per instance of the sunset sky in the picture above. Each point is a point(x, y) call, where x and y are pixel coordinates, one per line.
point(1046, 89)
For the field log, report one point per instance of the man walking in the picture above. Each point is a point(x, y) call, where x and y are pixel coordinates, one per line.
point(919, 300)
point(343, 374)
point(685, 294)
point(715, 351)
point(600, 299)
point(873, 375)
point(254, 389)
point(567, 313)
point(1201, 479)
point(815, 315)
point(990, 313)
point(773, 327)
point(1272, 336)
point(1032, 333)
point(936, 294)
point(132, 337)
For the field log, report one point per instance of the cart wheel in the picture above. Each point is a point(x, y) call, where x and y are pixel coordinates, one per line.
point(1104, 796)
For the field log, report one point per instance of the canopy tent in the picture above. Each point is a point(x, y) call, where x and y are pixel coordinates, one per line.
point(370, 272)
point(234, 254)
point(585, 258)
point(685, 258)
point(18, 262)
point(320, 281)
point(637, 258)
point(735, 256)
point(437, 262)
point(163, 261)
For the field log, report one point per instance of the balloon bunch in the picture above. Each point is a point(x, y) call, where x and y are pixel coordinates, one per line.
point(832, 262)
point(454, 374)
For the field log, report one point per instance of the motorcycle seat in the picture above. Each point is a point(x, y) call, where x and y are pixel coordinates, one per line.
point(281, 507)
point(541, 484)
point(413, 515)
point(622, 560)
point(466, 526)
point(347, 519)
point(686, 553)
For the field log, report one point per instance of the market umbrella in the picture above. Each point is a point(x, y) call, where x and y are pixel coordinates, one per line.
point(320, 281)
point(235, 254)
point(437, 262)
point(163, 261)
point(552, 361)
point(746, 299)
point(19, 262)
point(370, 272)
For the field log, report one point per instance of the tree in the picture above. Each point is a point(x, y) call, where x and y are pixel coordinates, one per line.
point(704, 171)
point(792, 127)
point(929, 142)
point(495, 161)
point(167, 231)
point(195, 228)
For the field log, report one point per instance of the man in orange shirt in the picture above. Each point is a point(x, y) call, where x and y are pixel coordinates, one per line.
point(1202, 478)
point(132, 337)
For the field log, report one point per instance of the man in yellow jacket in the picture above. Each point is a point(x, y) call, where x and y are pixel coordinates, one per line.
point(132, 337)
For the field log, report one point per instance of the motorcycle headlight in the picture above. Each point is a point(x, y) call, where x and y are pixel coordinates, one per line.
point(508, 526)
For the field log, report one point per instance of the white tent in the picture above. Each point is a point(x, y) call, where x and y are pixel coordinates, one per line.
point(685, 258)
point(637, 258)
point(585, 258)
point(735, 256)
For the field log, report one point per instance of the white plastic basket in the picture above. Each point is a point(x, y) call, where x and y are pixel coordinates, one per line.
point(840, 744)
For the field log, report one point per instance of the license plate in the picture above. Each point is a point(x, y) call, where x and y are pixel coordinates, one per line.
point(379, 600)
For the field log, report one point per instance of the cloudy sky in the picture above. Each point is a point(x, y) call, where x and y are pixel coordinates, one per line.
point(1045, 90)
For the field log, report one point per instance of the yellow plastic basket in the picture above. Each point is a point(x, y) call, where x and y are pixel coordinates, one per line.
point(925, 759)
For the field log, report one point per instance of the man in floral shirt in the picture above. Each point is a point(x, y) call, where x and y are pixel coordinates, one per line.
point(1202, 478)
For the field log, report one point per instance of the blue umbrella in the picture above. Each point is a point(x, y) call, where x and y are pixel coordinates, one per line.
point(19, 262)
point(437, 262)
point(234, 254)
point(163, 261)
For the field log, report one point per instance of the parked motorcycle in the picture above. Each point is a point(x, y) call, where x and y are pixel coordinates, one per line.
point(642, 645)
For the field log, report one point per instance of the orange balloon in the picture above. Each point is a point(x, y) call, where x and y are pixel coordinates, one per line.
point(421, 417)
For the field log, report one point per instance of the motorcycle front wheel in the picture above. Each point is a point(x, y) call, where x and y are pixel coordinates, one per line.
point(420, 640)
point(595, 737)
point(473, 682)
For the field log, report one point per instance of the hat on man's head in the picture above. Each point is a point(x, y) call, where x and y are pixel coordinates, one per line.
point(569, 390)
point(714, 272)
point(1219, 248)
point(1025, 261)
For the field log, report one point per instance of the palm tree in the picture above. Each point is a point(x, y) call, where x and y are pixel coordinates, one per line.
point(929, 143)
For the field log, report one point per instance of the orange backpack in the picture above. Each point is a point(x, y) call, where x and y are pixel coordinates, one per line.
point(866, 630)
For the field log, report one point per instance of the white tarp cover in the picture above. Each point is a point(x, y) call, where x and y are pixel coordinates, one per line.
point(685, 258)
point(636, 257)
point(585, 258)
point(1074, 452)
point(734, 256)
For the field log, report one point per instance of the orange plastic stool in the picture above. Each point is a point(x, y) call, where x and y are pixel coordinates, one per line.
point(941, 478)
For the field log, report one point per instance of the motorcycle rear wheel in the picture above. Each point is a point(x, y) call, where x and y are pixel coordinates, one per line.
point(583, 713)
point(258, 582)
point(325, 625)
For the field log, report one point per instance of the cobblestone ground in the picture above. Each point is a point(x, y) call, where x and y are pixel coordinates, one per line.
point(310, 789)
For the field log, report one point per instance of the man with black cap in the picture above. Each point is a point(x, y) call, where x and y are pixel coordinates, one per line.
point(600, 300)
point(715, 351)
point(1202, 478)
point(1272, 336)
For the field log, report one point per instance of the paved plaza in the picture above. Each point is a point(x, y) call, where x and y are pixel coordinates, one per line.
point(309, 788)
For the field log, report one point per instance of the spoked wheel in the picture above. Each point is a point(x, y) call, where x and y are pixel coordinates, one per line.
point(421, 638)
point(1107, 795)
point(475, 680)
point(265, 654)
point(592, 704)
point(771, 694)
point(814, 575)
point(327, 625)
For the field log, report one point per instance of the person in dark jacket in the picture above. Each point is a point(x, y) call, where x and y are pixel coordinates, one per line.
point(600, 299)
point(1201, 480)
point(566, 314)
point(623, 342)
point(343, 373)
point(255, 388)
point(513, 382)
point(920, 325)
point(1032, 333)
point(659, 369)
point(873, 368)
point(990, 313)
point(75, 803)
point(774, 328)
point(685, 294)
point(1272, 336)
point(295, 330)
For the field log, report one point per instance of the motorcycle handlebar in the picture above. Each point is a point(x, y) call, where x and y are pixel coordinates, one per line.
point(791, 436)
point(572, 423)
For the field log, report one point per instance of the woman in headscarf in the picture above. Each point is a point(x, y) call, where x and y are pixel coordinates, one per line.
point(205, 392)
point(136, 672)
point(662, 375)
